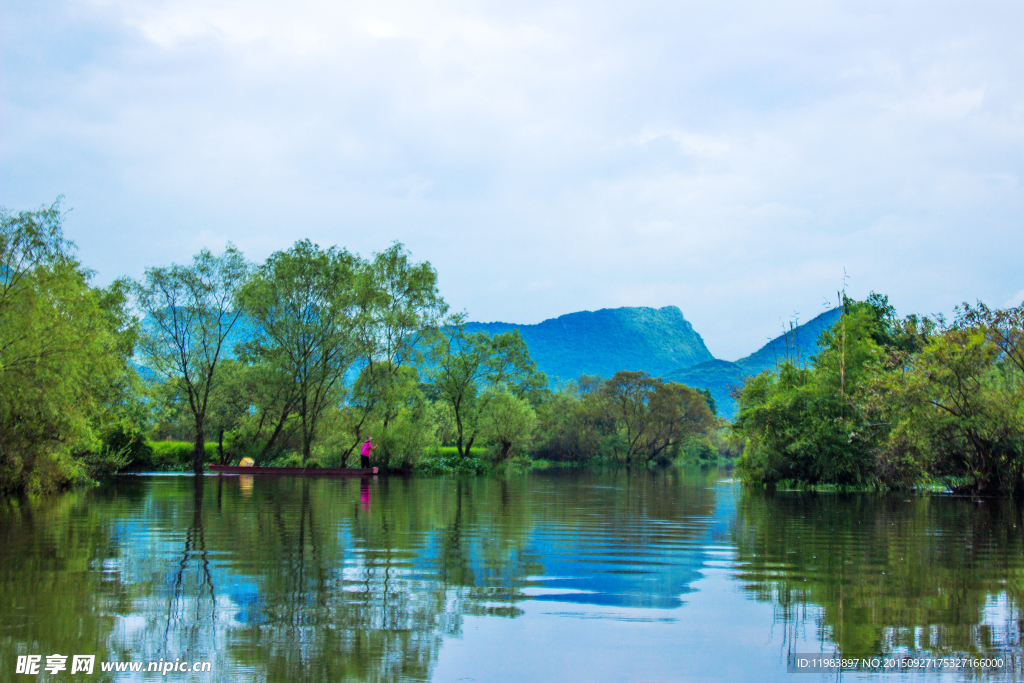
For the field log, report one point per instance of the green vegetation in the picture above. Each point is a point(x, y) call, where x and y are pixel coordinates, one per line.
point(796, 345)
point(470, 371)
point(894, 403)
point(330, 348)
point(64, 350)
point(191, 311)
point(630, 419)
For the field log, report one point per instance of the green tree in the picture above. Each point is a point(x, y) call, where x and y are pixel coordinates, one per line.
point(463, 364)
point(399, 307)
point(190, 311)
point(575, 424)
point(507, 422)
point(652, 416)
point(303, 304)
point(815, 424)
point(64, 350)
point(957, 406)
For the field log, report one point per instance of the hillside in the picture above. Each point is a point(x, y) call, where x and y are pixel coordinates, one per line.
point(611, 339)
point(719, 375)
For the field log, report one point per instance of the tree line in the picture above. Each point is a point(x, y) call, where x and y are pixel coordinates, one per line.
point(291, 362)
point(894, 402)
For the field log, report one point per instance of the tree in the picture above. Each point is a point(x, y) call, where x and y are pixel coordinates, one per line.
point(575, 424)
point(303, 304)
point(653, 416)
point(64, 350)
point(507, 421)
point(678, 412)
point(190, 312)
point(396, 412)
point(627, 393)
point(816, 424)
point(957, 406)
point(399, 306)
point(462, 364)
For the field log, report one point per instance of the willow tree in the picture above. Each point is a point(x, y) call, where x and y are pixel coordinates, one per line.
point(399, 306)
point(462, 365)
point(303, 305)
point(190, 313)
point(654, 417)
point(63, 352)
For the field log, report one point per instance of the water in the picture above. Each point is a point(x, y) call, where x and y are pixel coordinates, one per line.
point(677, 576)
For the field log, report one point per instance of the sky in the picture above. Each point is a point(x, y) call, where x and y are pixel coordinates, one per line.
point(740, 160)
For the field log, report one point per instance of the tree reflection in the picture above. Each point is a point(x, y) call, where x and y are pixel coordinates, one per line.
point(333, 580)
point(884, 573)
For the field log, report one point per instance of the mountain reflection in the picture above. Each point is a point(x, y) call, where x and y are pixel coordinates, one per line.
point(328, 580)
point(886, 573)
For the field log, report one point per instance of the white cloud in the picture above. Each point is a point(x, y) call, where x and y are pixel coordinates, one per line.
point(728, 158)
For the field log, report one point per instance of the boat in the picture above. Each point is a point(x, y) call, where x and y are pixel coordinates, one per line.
point(297, 471)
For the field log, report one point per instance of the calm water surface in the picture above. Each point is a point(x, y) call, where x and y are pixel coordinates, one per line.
point(678, 576)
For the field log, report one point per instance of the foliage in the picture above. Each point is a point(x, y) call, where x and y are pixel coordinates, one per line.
point(895, 403)
point(64, 350)
point(575, 425)
point(506, 421)
point(813, 423)
point(401, 420)
point(173, 456)
point(463, 364)
point(190, 312)
point(958, 404)
point(630, 418)
point(653, 416)
point(302, 301)
point(448, 461)
point(399, 307)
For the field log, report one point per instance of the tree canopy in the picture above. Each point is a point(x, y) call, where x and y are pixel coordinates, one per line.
point(64, 351)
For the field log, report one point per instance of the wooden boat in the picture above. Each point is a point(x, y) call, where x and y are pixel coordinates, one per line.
point(297, 471)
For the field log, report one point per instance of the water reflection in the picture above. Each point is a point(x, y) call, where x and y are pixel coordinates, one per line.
point(287, 579)
point(374, 579)
point(884, 573)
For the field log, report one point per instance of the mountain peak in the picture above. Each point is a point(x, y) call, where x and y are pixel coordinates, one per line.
point(605, 341)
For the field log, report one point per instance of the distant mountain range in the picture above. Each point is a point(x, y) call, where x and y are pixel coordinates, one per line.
point(659, 341)
point(718, 375)
point(606, 341)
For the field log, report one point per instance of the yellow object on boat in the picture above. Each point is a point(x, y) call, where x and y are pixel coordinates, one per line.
point(246, 462)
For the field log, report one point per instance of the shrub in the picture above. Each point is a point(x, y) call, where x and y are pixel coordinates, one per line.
point(176, 456)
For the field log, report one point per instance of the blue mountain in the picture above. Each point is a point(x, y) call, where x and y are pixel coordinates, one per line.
point(660, 342)
point(603, 342)
point(798, 345)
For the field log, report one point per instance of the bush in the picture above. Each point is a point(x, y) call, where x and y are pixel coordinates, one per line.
point(175, 456)
point(696, 450)
point(121, 449)
point(446, 460)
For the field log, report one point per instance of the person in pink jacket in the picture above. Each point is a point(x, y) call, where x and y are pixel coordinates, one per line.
point(364, 456)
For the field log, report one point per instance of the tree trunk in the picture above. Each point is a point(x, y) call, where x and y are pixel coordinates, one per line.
point(272, 439)
point(506, 446)
point(458, 428)
point(199, 451)
point(220, 447)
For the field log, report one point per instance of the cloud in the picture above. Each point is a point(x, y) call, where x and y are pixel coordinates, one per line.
point(728, 158)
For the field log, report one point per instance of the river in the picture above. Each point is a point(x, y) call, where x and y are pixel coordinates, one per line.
point(550, 576)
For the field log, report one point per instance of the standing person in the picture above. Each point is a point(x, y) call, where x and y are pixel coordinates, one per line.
point(364, 456)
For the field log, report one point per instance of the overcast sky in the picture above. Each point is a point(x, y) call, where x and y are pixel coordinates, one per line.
point(729, 158)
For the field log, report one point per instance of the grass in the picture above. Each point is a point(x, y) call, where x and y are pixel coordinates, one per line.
point(173, 456)
point(446, 460)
